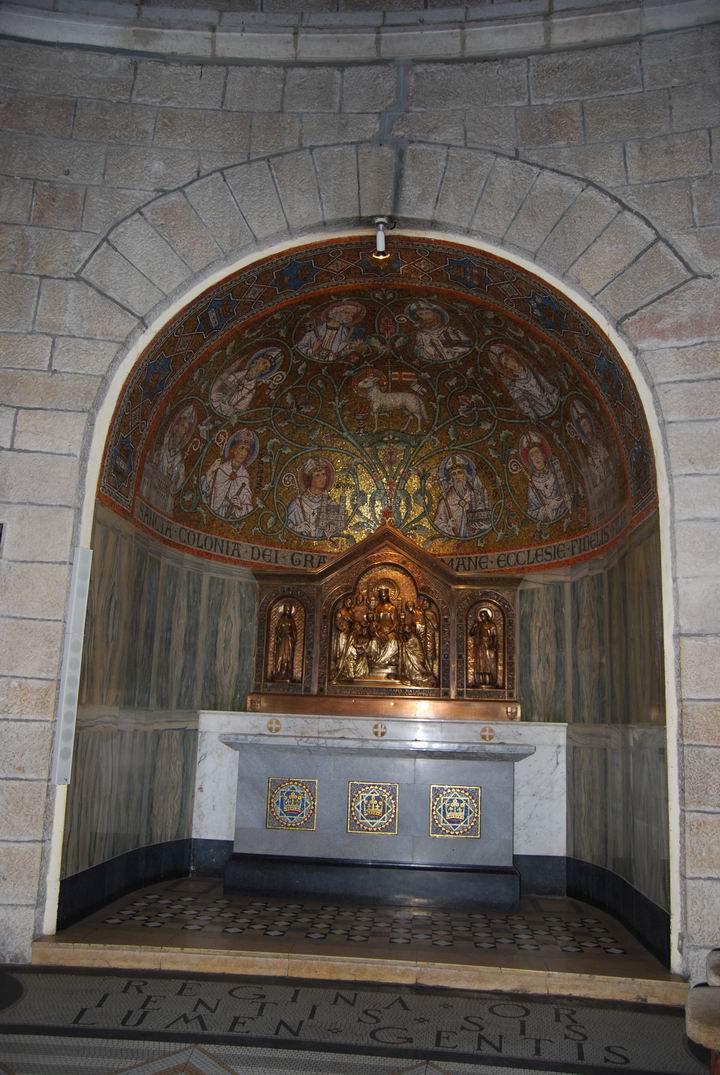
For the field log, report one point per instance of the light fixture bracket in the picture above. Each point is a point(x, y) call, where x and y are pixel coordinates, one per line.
point(382, 224)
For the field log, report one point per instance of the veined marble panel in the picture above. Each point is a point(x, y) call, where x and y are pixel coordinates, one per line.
point(132, 785)
point(541, 652)
point(588, 641)
point(161, 632)
point(617, 796)
point(645, 679)
point(539, 804)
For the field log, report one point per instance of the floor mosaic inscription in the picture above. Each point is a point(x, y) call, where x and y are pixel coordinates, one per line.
point(447, 1026)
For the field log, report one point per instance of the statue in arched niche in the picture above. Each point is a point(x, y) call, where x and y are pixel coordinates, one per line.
point(286, 630)
point(484, 635)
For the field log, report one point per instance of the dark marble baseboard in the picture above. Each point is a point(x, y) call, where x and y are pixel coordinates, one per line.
point(392, 884)
point(87, 891)
point(210, 857)
point(542, 875)
point(612, 893)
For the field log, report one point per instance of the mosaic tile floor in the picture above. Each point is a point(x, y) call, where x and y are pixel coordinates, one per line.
point(570, 929)
point(549, 945)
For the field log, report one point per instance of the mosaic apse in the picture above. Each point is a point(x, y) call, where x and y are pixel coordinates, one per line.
point(290, 410)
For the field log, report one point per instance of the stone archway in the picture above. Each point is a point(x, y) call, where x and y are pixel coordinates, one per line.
point(178, 243)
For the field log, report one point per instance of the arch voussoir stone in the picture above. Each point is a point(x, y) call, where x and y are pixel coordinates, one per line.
point(563, 223)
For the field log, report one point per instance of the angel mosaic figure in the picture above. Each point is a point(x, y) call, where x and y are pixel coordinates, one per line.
point(435, 339)
point(169, 460)
point(549, 497)
point(338, 327)
point(532, 393)
point(226, 483)
point(234, 390)
point(464, 508)
point(314, 513)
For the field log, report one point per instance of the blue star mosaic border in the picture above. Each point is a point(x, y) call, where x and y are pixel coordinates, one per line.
point(291, 804)
point(372, 808)
point(455, 811)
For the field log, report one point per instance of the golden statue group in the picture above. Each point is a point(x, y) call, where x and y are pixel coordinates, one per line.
point(378, 637)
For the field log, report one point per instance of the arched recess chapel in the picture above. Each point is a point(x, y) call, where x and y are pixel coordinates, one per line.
point(287, 413)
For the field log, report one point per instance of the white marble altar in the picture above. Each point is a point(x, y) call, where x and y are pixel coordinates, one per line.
point(539, 798)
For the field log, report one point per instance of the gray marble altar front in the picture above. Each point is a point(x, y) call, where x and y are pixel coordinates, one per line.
point(414, 766)
point(539, 794)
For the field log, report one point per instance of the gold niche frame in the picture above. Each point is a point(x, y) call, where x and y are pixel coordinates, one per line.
point(386, 630)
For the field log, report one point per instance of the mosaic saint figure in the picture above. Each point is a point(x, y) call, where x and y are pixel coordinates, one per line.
point(532, 393)
point(234, 390)
point(464, 508)
point(333, 334)
point(549, 497)
point(435, 339)
point(599, 461)
point(485, 649)
point(170, 456)
point(314, 513)
point(285, 642)
point(225, 484)
point(598, 466)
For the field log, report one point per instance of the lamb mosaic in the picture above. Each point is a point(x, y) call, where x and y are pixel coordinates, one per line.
point(294, 407)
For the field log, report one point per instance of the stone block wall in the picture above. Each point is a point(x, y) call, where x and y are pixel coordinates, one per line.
point(586, 142)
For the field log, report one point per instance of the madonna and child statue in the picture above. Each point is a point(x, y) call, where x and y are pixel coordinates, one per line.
point(378, 636)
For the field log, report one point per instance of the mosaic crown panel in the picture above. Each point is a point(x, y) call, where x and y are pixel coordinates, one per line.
point(291, 804)
point(286, 413)
point(372, 808)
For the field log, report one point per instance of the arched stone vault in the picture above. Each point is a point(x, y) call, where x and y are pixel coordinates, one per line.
point(177, 242)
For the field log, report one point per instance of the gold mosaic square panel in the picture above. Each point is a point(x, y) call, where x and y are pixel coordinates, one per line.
point(372, 808)
point(291, 803)
point(455, 811)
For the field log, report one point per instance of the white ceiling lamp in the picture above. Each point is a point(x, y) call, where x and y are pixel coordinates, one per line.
point(382, 225)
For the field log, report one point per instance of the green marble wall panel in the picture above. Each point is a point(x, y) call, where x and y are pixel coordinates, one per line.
point(144, 602)
point(161, 633)
point(541, 652)
point(589, 674)
point(617, 798)
point(617, 765)
point(163, 638)
point(133, 780)
point(645, 676)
